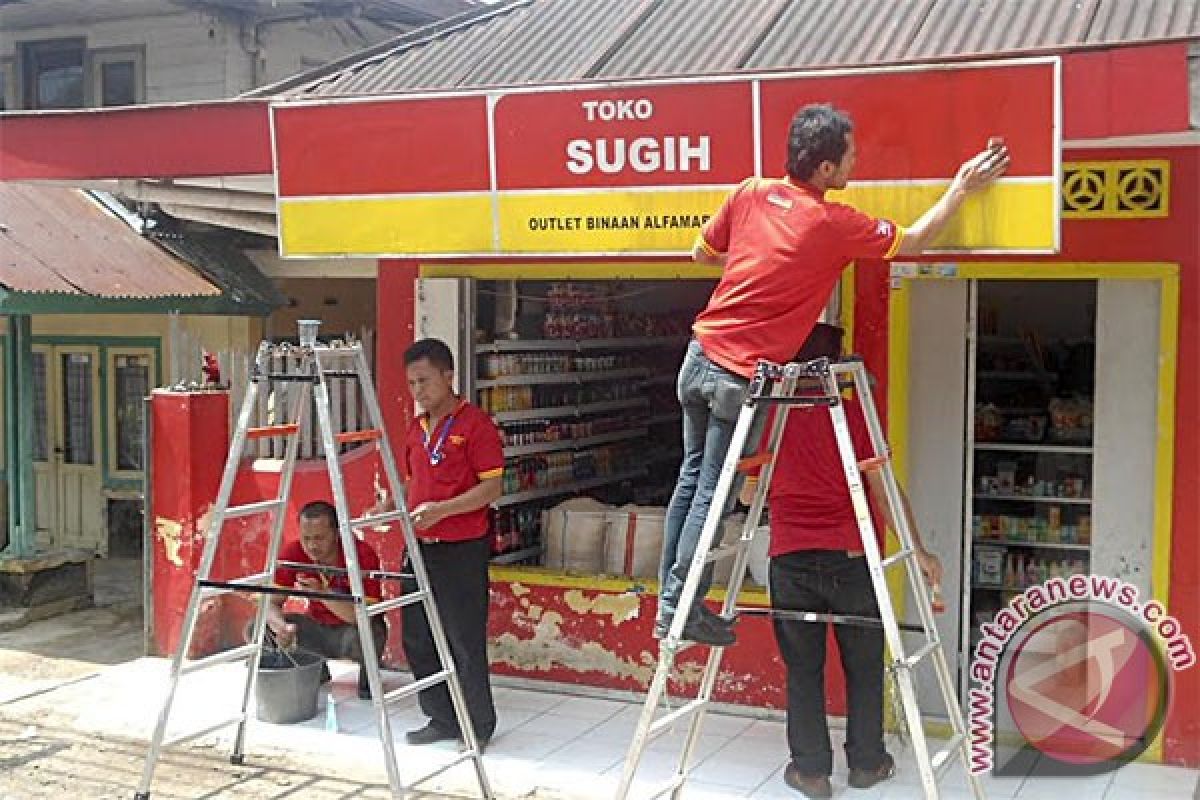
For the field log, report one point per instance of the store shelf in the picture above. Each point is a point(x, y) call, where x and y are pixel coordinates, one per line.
point(664, 379)
point(1033, 448)
point(669, 416)
point(561, 377)
point(567, 488)
point(580, 345)
point(1041, 545)
point(1078, 501)
point(574, 444)
point(569, 411)
point(524, 554)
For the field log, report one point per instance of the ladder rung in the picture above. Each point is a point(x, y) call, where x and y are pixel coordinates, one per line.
point(417, 686)
point(925, 650)
point(869, 464)
point(187, 737)
point(667, 720)
point(750, 462)
point(897, 556)
point(941, 760)
point(285, 377)
point(717, 553)
point(339, 373)
point(346, 437)
point(257, 579)
point(233, 512)
point(377, 519)
point(224, 657)
point(396, 602)
point(267, 431)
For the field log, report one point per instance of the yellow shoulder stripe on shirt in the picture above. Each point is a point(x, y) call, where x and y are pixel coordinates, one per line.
point(703, 244)
point(491, 473)
point(891, 253)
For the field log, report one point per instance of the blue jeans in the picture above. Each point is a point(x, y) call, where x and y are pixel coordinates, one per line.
point(711, 397)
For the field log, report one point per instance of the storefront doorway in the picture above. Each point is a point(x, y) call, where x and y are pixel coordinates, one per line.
point(1034, 403)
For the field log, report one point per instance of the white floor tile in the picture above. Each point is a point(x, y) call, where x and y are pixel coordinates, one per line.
point(1151, 777)
point(745, 775)
point(524, 745)
point(1138, 793)
point(589, 708)
point(505, 697)
point(552, 723)
point(1039, 787)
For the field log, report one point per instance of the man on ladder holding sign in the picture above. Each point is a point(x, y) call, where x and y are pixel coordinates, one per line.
point(783, 247)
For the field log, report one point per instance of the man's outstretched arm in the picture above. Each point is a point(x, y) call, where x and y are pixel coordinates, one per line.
point(975, 174)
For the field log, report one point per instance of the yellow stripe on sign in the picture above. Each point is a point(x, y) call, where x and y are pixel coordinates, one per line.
point(605, 222)
point(387, 226)
point(1008, 216)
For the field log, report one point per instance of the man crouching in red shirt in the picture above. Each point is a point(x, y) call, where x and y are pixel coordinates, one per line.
point(817, 564)
point(328, 628)
point(453, 466)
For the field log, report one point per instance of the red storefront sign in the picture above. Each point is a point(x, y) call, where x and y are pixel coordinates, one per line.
point(636, 168)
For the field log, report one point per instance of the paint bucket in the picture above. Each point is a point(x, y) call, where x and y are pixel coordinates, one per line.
point(308, 331)
point(287, 687)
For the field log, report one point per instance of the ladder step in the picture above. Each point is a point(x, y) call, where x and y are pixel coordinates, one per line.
point(943, 758)
point(285, 377)
point(925, 650)
point(417, 686)
point(258, 579)
point(750, 462)
point(871, 464)
point(346, 437)
point(187, 737)
point(339, 373)
point(377, 519)
point(224, 657)
point(724, 551)
point(382, 606)
point(268, 431)
point(263, 506)
point(897, 557)
point(667, 720)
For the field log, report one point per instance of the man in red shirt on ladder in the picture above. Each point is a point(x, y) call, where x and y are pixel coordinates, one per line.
point(783, 247)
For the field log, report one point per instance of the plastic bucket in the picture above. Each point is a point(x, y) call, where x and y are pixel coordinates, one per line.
point(287, 686)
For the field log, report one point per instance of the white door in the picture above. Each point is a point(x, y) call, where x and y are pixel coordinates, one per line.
point(67, 465)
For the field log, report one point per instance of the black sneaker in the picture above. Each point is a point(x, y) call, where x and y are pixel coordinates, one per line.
point(431, 733)
point(705, 629)
point(713, 617)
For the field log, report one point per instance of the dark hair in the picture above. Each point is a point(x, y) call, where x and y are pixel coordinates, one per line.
point(825, 341)
point(433, 350)
point(318, 509)
point(817, 133)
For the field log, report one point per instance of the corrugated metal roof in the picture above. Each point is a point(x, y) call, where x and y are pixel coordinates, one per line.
point(719, 36)
point(559, 40)
point(962, 27)
point(839, 32)
point(544, 41)
point(1121, 20)
point(61, 241)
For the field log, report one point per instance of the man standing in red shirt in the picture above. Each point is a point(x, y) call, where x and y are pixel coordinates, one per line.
point(817, 564)
point(453, 466)
point(783, 247)
point(328, 628)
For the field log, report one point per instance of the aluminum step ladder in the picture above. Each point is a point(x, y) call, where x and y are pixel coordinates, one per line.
point(317, 365)
point(814, 383)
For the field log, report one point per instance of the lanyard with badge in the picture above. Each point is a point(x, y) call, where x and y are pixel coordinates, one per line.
point(435, 453)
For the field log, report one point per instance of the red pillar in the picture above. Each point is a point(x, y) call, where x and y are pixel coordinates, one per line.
point(190, 435)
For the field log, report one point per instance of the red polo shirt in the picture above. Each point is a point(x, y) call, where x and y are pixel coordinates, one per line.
point(810, 502)
point(471, 452)
point(368, 560)
point(785, 247)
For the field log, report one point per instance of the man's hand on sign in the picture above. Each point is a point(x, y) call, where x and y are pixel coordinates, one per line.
point(983, 168)
point(427, 515)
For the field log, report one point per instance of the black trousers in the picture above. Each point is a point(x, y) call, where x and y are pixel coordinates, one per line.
point(829, 581)
point(458, 575)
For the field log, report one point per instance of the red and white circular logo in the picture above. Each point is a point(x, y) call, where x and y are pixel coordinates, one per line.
point(1087, 686)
